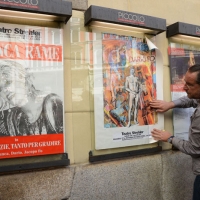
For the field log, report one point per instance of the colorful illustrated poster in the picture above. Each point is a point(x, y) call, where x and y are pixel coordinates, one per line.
point(180, 60)
point(129, 82)
point(31, 91)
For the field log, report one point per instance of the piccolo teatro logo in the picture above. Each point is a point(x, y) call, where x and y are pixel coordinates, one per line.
point(131, 18)
point(198, 30)
point(21, 3)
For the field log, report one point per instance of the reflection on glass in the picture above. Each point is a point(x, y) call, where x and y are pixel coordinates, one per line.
point(181, 58)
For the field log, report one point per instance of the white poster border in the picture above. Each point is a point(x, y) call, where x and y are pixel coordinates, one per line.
point(106, 138)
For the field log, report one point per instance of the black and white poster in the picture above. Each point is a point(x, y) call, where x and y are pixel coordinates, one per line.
point(31, 91)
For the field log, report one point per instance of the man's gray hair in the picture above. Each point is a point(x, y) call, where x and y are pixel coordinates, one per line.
point(195, 68)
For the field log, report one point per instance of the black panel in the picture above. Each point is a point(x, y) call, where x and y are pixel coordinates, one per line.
point(124, 154)
point(50, 7)
point(183, 29)
point(102, 14)
point(64, 161)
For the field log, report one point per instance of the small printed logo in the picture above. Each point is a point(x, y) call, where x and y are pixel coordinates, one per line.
point(130, 17)
point(24, 2)
point(198, 30)
point(5, 30)
point(26, 32)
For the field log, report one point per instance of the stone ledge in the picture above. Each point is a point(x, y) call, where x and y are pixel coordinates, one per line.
point(166, 176)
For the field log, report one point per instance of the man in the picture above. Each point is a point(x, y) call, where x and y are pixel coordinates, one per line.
point(132, 85)
point(192, 146)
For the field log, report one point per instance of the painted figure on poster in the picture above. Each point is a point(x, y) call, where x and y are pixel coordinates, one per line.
point(117, 61)
point(24, 110)
point(133, 87)
point(128, 81)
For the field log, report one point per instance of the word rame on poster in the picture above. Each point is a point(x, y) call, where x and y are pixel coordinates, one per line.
point(45, 52)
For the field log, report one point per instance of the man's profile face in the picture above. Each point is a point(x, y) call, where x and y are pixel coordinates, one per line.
point(191, 87)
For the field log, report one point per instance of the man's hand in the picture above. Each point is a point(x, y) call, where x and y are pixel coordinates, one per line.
point(161, 106)
point(160, 135)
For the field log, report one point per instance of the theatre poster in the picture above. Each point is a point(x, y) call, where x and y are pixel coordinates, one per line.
point(31, 91)
point(180, 60)
point(127, 76)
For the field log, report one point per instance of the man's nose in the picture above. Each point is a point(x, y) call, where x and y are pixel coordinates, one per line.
point(185, 87)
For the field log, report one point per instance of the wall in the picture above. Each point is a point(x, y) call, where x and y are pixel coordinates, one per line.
point(82, 113)
point(166, 176)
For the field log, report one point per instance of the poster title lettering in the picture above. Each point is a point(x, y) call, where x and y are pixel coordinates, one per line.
point(19, 31)
point(30, 145)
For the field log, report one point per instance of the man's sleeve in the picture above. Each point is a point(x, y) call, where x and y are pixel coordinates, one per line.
point(185, 102)
point(191, 147)
point(186, 147)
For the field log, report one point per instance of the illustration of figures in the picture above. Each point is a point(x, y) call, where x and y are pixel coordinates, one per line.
point(133, 87)
point(117, 61)
point(24, 110)
point(119, 113)
point(114, 72)
point(145, 114)
point(122, 54)
point(127, 89)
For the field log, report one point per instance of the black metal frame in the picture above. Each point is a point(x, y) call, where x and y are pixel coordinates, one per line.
point(48, 7)
point(108, 15)
point(15, 168)
point(126, 154)
point(183, 29)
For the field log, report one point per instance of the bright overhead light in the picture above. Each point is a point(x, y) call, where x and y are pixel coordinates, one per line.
point(28, 15)
point(185, 39)
point(125, 28)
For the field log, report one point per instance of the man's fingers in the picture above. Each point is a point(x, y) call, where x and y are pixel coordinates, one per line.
point(153, 133)
point(156, 101)
point(156, 132)
point(155, 136)
point(155, 129)
point(159, 110)
point(156, 105)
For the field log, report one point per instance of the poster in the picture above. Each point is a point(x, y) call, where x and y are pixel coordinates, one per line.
point(31, 91)
point(125, 81)
point(180, 60)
